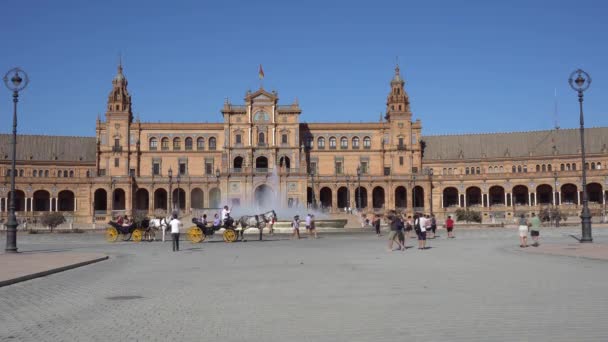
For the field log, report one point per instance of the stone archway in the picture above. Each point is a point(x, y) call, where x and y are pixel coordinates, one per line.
point(497, 195)
point(197, 199)
point(142, 199)
point(41, 201)
point(378, 197)
point(520, 195)
point(179, 198)
point(19, 200)
point(418, 197)
point(400, 197)
point(361, 197)
point(261, 162)
point(473, 196)
point(100, 200)
point(450, 197)
point(343, 198)
point(215, 198)
point(160, 199)
point(264, 196)
point(594, 193)
point(119, 199)
point(569, 194)
point(325, 197)
point(65, 200)
point(544, 194)
point(238, 163)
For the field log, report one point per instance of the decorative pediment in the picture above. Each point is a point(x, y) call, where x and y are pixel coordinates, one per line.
point(261, 116)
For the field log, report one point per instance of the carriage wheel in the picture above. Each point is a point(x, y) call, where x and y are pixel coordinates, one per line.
point(137, 235)
point(111, 234)
point(230, 235)
point(126, 237)
point(195, 234)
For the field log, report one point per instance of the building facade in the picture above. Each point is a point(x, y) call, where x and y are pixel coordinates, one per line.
point(261, 149)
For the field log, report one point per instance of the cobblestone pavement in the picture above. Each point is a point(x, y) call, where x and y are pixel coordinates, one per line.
point(477, 287)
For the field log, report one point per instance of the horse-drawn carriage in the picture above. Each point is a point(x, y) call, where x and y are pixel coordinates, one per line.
point(134, 231)
point(200, 231)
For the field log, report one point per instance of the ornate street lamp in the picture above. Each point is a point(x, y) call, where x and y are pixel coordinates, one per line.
point(556, 195)
point(179, 178)
point(359, 188)
point(312, 188)
point(171, 190)
point(580, 84)
point(15, 80)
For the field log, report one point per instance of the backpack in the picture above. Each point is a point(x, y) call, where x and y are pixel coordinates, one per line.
point(417, 225)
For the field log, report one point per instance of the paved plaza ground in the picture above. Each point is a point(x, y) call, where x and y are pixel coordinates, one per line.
point(342, 287)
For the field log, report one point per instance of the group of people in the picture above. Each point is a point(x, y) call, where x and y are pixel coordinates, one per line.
point(124, 221)
point(531, 226)
point(425, 227)
point(309, 223)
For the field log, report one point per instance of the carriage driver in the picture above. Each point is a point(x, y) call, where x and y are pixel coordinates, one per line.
point(226, 219)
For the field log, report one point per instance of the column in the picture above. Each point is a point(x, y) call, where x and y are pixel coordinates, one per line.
point(441, 199)
point(51, 204)
point(554, 197)
point(187, 201)
point(75, 204)
point(334, 200)
point(535, 200)
point(559, 198)
point(578, 194)
point(370, 204)
point(506, 202)
point(459, 200)
point(151, 202)
point(529, 199)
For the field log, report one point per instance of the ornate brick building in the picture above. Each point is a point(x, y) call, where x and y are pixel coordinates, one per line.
point(261, 147)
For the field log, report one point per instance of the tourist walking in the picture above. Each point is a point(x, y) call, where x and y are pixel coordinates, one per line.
point(433, 225)
point(427, 225)
point(394, 234)
point(409, 226)
point(313, 225)
point(535, 229)
point(271, 225)
point(175, 227)
point(295, 224)
point(523, 231)
point(449, 226)
point(419, 227)
point(377, 224)
point(309, 226)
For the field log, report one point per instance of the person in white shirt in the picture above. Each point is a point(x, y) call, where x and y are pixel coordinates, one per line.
point(420, 227)
point(175, 224)
point(225, 213)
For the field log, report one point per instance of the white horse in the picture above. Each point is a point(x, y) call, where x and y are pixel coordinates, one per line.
point(160, 223)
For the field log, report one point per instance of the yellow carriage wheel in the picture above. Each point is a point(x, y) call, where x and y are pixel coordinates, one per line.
point(195, 234)
point(137, 235)
point(111, 234)
point(229, 235)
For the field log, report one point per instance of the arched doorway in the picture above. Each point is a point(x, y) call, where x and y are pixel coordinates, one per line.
point(544, 194)
point(238, 163)
point(215, 198)
point(594, 193)
point(325, 197)
point(400, 197)
point(42, 201)
point(284, 162)
point(19, 200)
point(378, 197)
point(473, 196)
point(309, 196)
point(418, 197)
point(343, 198)
point(263, 196)
point(450, 197)
point(261, 163)
point(100, 201)
point(361, 197)
point(520, 195)
point(142, 199)
point(65, 201)
point(569, 194)
point(160, 199)
point(179, 199)
point(197, 199)
point(119, 199)
point(497, 195)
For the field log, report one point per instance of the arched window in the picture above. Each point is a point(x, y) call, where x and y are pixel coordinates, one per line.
point(466, 171)
point(525, 168)
point(35, 173)
point(284, 138)
point(356, 142)
point(153, 144)
point(592, 165)
point(309, 142)
point(598, 165)
point(549, 167)
point(321, 143)
point(367, 143)
point(501, 169)
point(567, 167)
point(71, 173)
point(59, 173)
point(444, 171)
point(573, 166)
point(544, 168)
point(514, 169)
point(343, 143)
point(164, 144)
point(188, 144)
point(177, 144)
point(478, 170)
point(65, 173)
point(537, 168)
point(238, 139)
point(200, 144)
point(40, 173)
point(212, 144)
point(332, 142)
point(261, 139)
point(46, 173)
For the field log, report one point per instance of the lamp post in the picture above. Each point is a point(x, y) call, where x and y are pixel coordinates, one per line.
point(15, 80)
point(555, 201)
point(348, 194)
point(414, 194)
point(179, 204)
point(312, 188)
point(580, 84)
point(359, 188)
point(170, 190)
point(217, 178)
point(429, 172)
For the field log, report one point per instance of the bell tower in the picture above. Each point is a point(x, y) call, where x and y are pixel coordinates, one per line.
point(397, 102)
point(119, 100)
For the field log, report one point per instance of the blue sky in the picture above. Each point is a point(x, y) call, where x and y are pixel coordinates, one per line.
point(469, 66)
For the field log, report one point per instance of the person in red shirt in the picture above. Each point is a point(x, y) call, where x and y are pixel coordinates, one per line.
point(449, 225)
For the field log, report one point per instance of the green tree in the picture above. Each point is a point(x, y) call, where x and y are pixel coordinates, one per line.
point(52, 219)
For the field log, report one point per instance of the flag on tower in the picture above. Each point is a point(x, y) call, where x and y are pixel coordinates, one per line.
point(261, 73)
